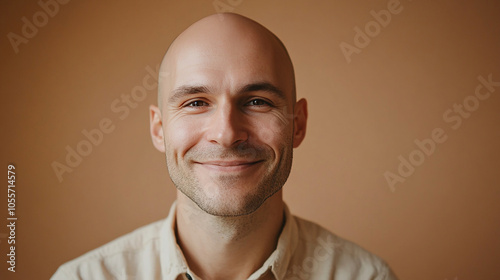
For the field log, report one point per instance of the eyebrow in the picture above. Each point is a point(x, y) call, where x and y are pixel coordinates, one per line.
point(263, 86)
point(186, 90)
point(193, 89)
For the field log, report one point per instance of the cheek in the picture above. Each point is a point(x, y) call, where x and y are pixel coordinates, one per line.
point(181, 135)
point(272, 131)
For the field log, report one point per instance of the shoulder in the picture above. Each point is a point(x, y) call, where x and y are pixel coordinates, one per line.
point(335, 256)
point(113, 258)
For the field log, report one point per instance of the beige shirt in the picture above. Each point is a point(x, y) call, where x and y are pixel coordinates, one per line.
point(304, 251)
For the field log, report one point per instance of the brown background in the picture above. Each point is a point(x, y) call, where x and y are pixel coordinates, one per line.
point(443, 222)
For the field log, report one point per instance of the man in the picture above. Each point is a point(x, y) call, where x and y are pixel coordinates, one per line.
point(228, 120)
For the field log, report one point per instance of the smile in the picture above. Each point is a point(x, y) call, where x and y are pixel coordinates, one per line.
point(229, 166)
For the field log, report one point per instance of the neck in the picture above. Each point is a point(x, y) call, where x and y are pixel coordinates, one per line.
point(228, 247)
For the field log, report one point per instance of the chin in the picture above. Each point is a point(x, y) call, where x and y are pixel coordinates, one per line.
point(229, 206)
point(232, 205)
point(229, 209)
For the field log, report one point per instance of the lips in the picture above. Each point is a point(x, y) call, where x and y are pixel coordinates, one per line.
point(228, 166)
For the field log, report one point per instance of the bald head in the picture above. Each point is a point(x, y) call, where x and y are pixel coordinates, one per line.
point(236, 48)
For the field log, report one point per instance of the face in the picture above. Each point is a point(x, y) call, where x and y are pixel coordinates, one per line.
point(228, 125)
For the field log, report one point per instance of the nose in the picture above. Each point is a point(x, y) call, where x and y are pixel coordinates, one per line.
point(227, 126)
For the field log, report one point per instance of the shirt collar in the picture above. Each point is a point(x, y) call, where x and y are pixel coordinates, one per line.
point(279, 260)
point(173, 262)
point(171, 258)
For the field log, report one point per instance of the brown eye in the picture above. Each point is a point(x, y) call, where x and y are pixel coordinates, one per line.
point(197, 103)
point(257, 102)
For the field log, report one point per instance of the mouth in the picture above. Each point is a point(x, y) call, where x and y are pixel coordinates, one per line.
point(229, 166)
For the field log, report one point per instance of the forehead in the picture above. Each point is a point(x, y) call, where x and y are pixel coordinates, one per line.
point(221, 67)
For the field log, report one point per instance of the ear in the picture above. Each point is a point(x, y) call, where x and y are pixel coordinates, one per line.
point(156, 129)
point(299, 122)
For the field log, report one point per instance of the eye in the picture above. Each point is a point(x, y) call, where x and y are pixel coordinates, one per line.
point(258, 102)
point(197, 103)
